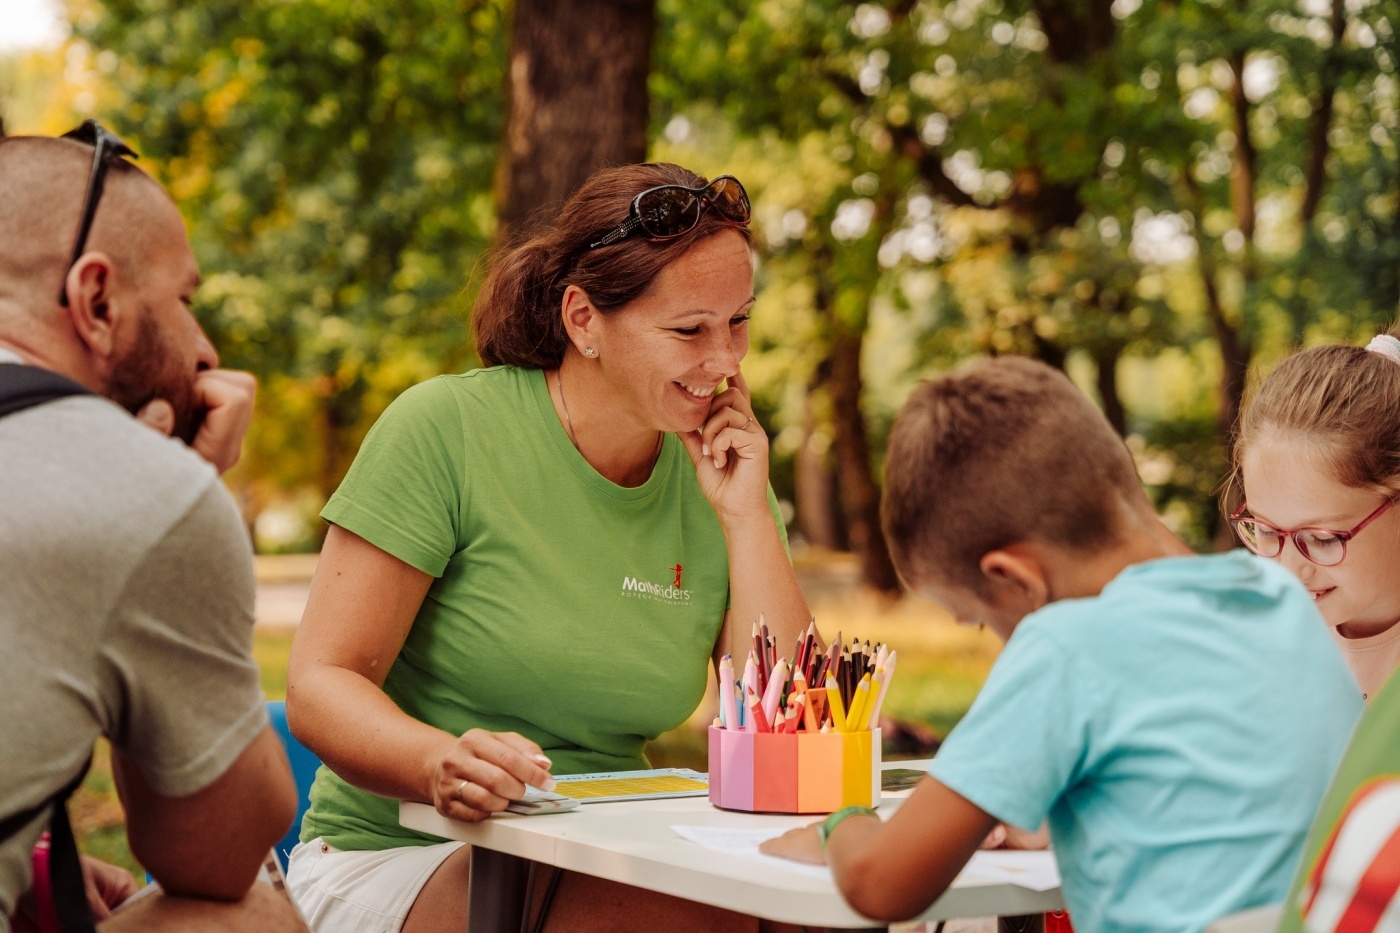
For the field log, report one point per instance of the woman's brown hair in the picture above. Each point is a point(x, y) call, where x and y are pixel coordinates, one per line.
point(1344, 399)
point(516, 318)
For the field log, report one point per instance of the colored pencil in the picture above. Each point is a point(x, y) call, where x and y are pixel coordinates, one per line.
point(835, 708)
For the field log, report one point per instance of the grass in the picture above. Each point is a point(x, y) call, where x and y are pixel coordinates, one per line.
point(940, 668)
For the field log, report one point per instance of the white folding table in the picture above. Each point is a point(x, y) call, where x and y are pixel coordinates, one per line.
point(632, 843)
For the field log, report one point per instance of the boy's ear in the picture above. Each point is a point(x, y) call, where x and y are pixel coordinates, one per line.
point(1018, 576)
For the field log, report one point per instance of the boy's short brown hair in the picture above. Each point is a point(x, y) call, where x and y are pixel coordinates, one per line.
point(1002, 450)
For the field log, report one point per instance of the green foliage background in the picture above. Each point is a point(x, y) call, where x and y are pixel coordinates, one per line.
point(942, 179)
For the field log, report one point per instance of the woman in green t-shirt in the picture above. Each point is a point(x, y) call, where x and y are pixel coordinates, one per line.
point(530, 565)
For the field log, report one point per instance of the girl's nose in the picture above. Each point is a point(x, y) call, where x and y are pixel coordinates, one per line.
point(1294, 561)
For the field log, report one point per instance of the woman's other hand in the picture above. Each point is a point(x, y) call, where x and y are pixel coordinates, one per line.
point(485, 771)
point(730, 453)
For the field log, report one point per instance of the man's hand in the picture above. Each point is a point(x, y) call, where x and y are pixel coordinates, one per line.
point(106, 885)
point(226, 397)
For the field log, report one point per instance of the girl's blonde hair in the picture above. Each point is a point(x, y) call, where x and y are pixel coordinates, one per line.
point(1344, 399)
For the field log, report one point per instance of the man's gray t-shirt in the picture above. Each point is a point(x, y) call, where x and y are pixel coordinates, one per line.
point(126, 594)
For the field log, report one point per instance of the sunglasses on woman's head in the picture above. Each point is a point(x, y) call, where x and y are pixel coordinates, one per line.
point(668, 211)
point(1319, 545)
point(106, 149)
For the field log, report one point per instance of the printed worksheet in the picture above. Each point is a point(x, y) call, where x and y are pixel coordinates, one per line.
point(1035, 871)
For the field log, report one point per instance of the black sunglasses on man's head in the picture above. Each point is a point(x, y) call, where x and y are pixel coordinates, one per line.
point(106, 148)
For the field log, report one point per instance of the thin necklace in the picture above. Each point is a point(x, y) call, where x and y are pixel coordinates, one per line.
point(569, 422)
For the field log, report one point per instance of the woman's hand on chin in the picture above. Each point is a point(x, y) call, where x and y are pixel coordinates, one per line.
point(730, 453)
point(484, 771)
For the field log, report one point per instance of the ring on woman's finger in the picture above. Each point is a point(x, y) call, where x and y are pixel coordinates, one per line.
point(460, 788)
point(745, 425)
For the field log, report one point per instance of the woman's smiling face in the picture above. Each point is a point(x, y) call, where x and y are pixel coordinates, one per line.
point(1287, 483)
point(665, 353)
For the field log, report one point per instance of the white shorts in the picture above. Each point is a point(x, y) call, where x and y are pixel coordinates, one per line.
point(364, 891)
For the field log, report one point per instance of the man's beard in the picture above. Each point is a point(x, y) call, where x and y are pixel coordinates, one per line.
point(150, 371)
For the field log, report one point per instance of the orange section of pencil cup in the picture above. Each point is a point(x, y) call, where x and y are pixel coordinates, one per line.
point(816, 772)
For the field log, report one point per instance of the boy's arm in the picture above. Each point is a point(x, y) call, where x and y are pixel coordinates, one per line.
point(893, 870)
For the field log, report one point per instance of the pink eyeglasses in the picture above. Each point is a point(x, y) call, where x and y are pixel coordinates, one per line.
point(1319, 545)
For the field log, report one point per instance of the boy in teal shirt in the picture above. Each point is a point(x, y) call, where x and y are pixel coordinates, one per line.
point(1174, 719)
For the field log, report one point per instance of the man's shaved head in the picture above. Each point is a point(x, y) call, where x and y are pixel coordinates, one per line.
point(42, 182)
point(127, 331)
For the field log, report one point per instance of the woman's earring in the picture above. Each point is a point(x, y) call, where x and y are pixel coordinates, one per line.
point(589, 352)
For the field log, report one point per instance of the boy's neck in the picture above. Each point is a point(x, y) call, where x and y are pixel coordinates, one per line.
point(1077, 575)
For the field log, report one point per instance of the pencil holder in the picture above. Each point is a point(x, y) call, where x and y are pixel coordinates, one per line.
point(801, 772)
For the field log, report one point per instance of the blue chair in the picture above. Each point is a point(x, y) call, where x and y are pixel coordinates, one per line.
point(304, 765)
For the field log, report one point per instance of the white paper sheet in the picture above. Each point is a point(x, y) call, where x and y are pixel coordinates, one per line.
point(1035, 871)
point(745, 843)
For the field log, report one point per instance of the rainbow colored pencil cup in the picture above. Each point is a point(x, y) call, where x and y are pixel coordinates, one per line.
point(795, 772)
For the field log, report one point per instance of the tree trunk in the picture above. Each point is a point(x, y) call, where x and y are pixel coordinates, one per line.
point(1106, 379)
point(576, 99)
point(818, 503)
point(860, 497)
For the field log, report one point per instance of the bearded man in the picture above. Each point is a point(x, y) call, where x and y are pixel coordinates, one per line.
point(125, 571)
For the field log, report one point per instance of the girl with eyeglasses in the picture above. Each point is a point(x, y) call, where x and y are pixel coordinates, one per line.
point(1317, 459)
point(531, 565)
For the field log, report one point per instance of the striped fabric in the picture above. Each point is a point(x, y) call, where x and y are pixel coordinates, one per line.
point(1353, 887)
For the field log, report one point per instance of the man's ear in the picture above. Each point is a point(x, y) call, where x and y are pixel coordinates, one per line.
point(1018, 576)
point(581, 319)
point(91, 310)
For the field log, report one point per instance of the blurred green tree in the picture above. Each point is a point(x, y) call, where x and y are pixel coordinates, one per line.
point(334, 160)
point(1154, 194)
point(1167, 184)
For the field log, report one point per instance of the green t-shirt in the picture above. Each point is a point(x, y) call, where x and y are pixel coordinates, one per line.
point(577, 612)
point(1351, 864)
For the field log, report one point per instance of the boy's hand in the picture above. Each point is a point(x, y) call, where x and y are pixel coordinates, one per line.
point(1003, 836)
point(800, 845)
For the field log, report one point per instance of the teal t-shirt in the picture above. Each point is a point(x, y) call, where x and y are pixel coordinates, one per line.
point(1177, 732)
point(577, 612)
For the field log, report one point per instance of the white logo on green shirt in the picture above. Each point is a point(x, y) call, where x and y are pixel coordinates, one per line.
point(645, 589)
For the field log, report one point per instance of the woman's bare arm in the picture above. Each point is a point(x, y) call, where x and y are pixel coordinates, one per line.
point(362, 604)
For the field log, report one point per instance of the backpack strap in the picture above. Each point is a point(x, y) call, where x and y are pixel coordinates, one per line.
point(65, 869)
point(23, 386)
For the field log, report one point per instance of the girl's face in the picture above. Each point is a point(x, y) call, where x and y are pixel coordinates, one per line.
point(667, 351)
point(1287, 484)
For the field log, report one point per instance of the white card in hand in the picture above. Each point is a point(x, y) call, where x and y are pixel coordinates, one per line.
point(541, 801)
